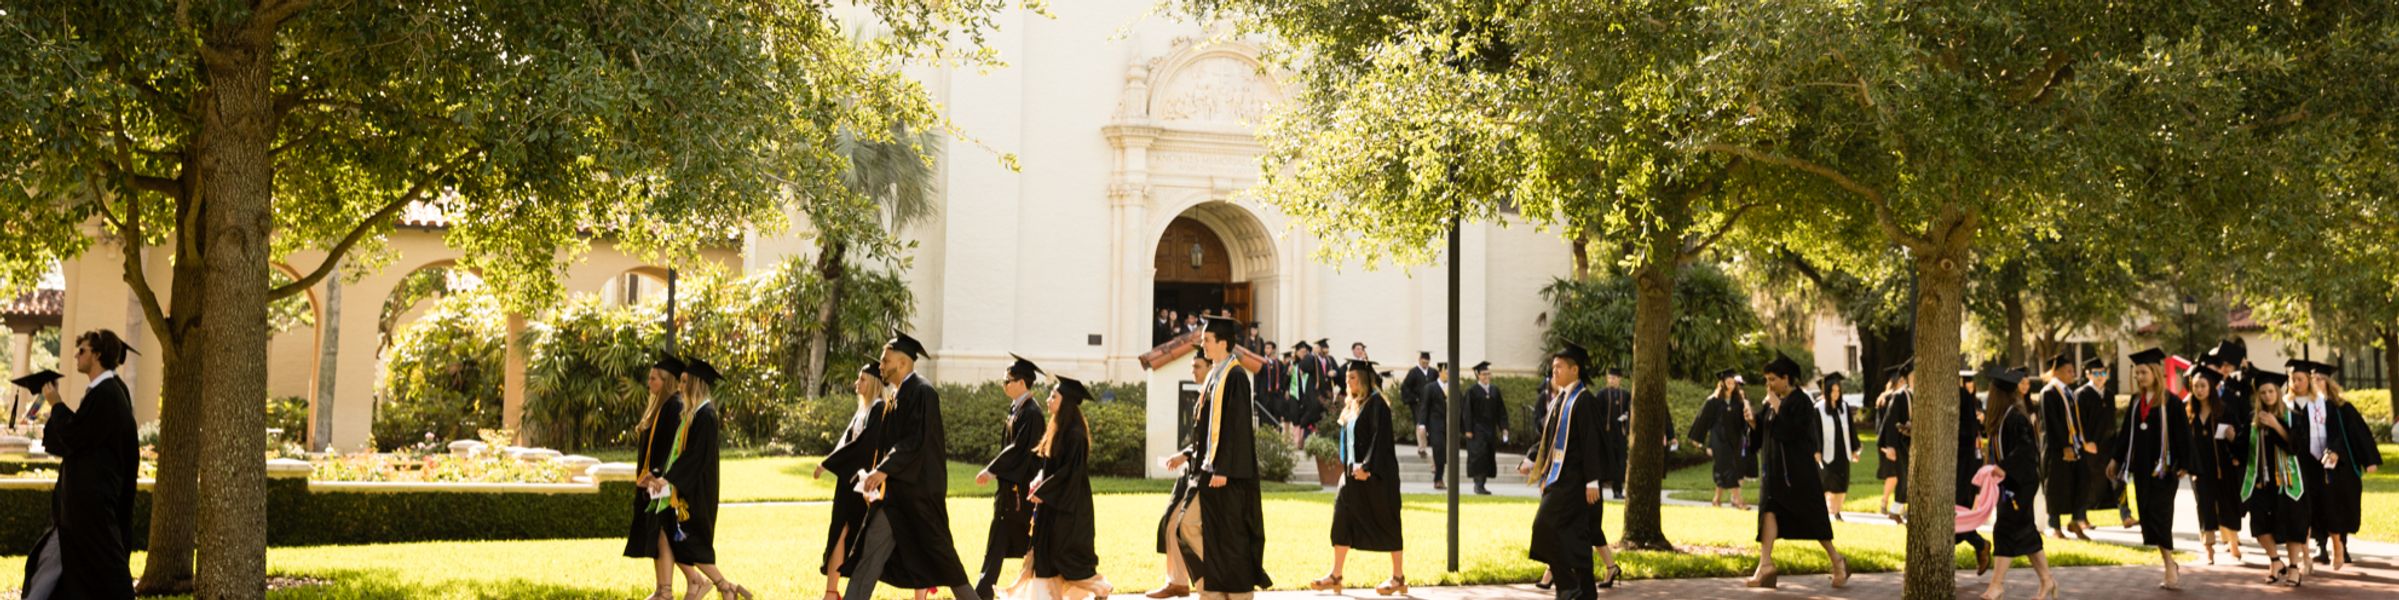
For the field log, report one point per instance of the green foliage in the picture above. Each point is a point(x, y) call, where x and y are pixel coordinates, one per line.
point(974, 414)
point(290, 414)
point(2375, 407)
point(442, 378)
point(756, 330)
point(587, 374)
point(1276, 456)
point(1323, 447)
point(1712, 318)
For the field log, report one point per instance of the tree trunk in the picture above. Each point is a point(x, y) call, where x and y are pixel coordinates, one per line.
point(237, 125)
point(329, 328)
point(830, 272)
point(1582, 257)
point(2011, 302)
point(1645, 471)
point(2390, 372)
point(1940, 309)
point(175, 491)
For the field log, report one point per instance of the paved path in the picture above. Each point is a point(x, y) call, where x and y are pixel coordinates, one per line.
point(2379, 579)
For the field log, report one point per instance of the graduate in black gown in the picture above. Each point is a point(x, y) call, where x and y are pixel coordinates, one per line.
point(2101, 491)
point(1620, 427)
point(1892, 412)
point(1432, 422)
point(1215, 534)
point(2152, 449)
point(656, 434)
point(853, 453)
point(2011, 444)
point(1486, 423)
point(1013, 469)
point(691, 480)
point(1411, 392)
point(2067, 446)
point(1568, 464)
point(1790, 484)
point(1366, 510)
point(2216, 462)
point(2273, 485)
point(85, 552)
point(1841, 434)
point(906, 541)
point(1969, 460)
point(1065, 527)
point(1722, 427)
point(2348, 457)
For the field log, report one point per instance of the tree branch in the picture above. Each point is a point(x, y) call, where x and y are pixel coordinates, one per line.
point(1692, 249)
point(358, 233)
point(1884, 216)
point(129, 234)
point(2036, 87)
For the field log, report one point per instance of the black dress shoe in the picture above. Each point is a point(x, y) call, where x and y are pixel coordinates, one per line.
point(1481, 491)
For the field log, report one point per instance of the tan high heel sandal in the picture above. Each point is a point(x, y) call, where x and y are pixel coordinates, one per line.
point(1330, 583)
point(1397, 585)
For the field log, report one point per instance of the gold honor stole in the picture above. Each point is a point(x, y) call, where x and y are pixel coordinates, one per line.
point(1215, 395)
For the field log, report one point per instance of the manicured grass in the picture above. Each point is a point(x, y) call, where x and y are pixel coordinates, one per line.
point(774, 548)
point(791, 478)
point(2380, 506)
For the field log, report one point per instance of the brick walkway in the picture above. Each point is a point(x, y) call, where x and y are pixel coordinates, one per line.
point(2377, 579)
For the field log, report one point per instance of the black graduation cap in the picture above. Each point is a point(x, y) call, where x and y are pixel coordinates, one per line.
point(1302, 345)
point(1070, 391)
point(1902, 369)
point(1224, 328)
point(1615, 372)
point(2093, 363)
point(701, 369)
point(1023, 370)
point(2152, 356)
point(1482, 366)
point(903, 344)
point(1576, 353)
point(670, 364)
point(33, 383)
point(2059, 360)
point(2227, 352)
point(2269, 377)
point(2211, 375)
point(1727, 374)
point(2009, 378)
point(1361, 366)
point(1835, 377)
point(1423, 355)
point(2324, 369)
point(1783, 365)
point(873, 368)
point(1325, 344)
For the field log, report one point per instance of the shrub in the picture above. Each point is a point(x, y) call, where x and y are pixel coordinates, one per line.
point(1712, 312)
point(2375, 406)
point(444, 373)
point(289, 414)
point(1275, 455)
point(586, 379)
point(971, 415)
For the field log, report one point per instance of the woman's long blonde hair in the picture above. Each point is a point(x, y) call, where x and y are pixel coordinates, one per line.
point(649, 414)
point(2149, 381)
point(695, 393)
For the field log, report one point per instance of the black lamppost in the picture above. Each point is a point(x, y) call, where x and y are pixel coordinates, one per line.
point(2190, 327)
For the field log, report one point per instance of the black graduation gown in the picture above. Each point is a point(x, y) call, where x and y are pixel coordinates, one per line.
point(1270, 395)
point(2272, 510)
point(855, 452)
point(1719, 425)
point(2216, 468)
point(1617, 430)
point(2098, 414)
point(1968, 458)
point(1891, 427)
point(915, 485)
point(1366, 513)
point(694, 477)
point(642, 542)
point(1011, 470)
point(2016, 449)
point(2064, 487)
point(1064, 528)
point(1486, 414)
point(1790, 485)
point(1836, 460)
point(1411, 390)
point(2345, 482)
point(91, 506)
point(1563, 530)
point(1233, 521)
point(2152, 448)
point(1434, 418)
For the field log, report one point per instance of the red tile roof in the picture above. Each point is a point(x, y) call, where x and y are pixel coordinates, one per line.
point(38, 307)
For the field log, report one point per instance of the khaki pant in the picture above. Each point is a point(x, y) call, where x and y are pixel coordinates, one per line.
point(1187, 532)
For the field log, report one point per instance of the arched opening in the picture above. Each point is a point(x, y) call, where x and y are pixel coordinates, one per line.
point(638, 285)
point(1214, 257)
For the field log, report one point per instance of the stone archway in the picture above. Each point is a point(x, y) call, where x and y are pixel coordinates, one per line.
point(1215, 255)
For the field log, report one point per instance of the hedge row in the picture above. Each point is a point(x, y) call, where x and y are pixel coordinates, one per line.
point(972, 416)
point(299, 517)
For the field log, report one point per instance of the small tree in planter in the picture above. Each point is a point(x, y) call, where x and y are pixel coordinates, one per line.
point(1327, 452)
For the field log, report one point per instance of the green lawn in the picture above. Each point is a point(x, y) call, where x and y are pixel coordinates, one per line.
point(2380, 521)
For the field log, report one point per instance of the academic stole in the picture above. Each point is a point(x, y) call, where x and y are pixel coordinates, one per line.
point(1215, 395)
point(1554, 448)
point(2278, 474)
point(674, 497)
point(2165, 453)
point(2073, 421)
